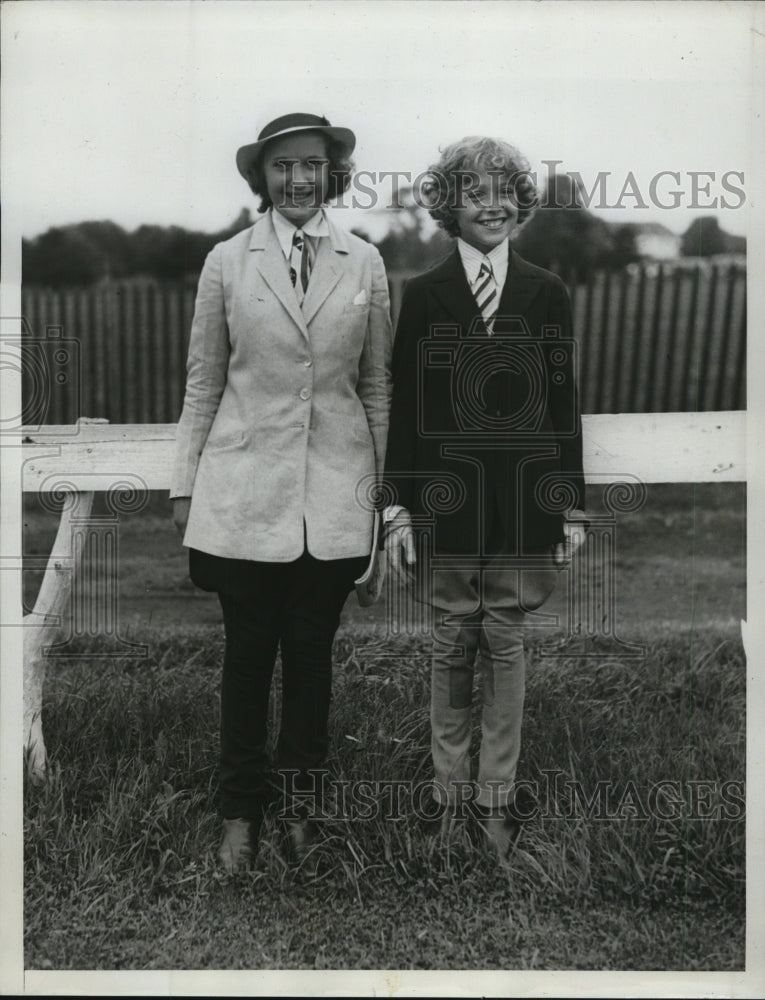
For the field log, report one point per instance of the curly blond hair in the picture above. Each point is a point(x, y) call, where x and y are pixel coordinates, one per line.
point(474, 154)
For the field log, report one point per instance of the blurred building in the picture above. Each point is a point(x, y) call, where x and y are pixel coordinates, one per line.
point(656, 242)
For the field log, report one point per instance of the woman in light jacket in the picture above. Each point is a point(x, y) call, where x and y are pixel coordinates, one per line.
point(284, 421)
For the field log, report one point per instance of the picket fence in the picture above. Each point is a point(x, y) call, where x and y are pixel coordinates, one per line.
point(651, 338)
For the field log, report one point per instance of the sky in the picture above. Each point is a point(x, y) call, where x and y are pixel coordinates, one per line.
point(133, 111)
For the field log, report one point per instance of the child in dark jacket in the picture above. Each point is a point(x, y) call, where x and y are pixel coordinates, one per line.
point(484, 454)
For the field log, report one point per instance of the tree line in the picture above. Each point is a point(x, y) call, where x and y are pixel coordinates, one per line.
point(565, 237)
point(87, 252)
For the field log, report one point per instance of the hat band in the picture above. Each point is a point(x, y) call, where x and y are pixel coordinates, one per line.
point(293, 128)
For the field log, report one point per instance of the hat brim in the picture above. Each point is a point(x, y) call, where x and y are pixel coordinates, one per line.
point(246, 155)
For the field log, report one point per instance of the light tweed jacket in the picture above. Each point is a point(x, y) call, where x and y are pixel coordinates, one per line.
point(286, 409)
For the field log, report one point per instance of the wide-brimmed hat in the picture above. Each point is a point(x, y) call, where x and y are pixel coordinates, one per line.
point(286, 125)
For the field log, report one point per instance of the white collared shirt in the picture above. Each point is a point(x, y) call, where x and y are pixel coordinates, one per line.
point(316, 227)
point(472, 260)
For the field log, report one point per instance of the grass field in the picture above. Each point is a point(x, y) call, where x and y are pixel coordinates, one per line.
point(119, 861)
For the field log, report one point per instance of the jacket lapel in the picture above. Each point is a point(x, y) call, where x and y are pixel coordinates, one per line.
point(272, 266)
point(521, 287)
point(451, 286)
point(327, 270)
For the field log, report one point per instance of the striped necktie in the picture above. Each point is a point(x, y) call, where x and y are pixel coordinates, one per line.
point(485, 292)
point(300, 263)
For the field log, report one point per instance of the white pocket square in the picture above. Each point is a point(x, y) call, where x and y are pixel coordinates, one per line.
point(361, 298)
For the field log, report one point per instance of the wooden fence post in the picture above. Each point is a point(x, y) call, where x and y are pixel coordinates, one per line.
point(45, 624)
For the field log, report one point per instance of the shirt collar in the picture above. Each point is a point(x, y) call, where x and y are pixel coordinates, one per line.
point(473, 258)
point(316, 226)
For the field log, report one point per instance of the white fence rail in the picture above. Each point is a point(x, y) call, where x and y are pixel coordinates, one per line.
point(653, 447)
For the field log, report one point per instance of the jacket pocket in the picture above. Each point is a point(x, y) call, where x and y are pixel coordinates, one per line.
point(230, 440)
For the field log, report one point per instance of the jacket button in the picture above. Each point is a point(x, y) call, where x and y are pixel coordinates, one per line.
point(305, 393)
